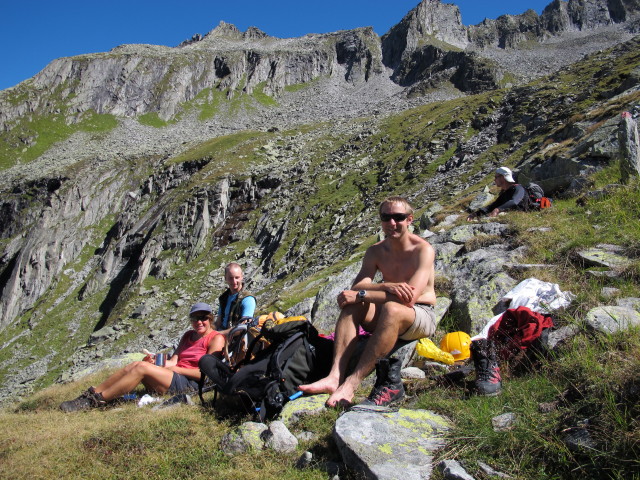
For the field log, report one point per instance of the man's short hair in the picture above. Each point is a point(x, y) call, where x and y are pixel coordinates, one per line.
point(232, 265)
point(401, 200)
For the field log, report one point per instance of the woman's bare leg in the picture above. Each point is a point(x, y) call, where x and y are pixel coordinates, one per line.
point(127, 379)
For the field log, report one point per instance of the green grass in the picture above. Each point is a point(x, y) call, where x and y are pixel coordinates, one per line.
point(152, 119)
point(263, 98)
point(44, 131)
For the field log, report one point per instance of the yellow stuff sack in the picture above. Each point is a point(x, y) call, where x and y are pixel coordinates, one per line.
point(427, 349)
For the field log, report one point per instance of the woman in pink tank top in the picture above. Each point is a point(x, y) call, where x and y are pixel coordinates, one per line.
point(179, 374)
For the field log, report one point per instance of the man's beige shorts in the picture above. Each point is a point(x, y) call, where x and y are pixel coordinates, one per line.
point(424, 325)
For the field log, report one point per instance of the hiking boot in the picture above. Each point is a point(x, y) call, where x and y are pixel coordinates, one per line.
point(388, 388)
point(86, 400)
point(488, 381)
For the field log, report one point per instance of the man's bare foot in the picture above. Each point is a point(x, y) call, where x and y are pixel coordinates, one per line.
point(342, 397)
point(324, 385)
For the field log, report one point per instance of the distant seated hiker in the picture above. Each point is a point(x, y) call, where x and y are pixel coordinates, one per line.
point(180, 374)
point(512, 196)
point(235, 304)
point(402, 307)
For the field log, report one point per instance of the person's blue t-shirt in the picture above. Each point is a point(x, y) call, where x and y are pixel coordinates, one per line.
point(247, 308)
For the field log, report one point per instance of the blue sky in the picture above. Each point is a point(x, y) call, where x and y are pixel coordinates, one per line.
point(34, 32)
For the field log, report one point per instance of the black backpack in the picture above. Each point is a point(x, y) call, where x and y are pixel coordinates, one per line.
point(535, 199)
point(296, 355)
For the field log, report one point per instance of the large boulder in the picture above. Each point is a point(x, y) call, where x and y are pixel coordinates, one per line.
point(390, 445)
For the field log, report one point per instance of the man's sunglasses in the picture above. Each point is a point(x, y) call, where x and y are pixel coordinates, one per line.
point(199, 318)
point(398, 217)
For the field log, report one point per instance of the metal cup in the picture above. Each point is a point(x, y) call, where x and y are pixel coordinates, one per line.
point(161, 359)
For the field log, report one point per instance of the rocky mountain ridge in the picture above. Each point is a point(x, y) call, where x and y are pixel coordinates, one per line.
point(109, 234)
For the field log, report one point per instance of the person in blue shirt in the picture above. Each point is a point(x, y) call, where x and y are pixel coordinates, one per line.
point(235, 304)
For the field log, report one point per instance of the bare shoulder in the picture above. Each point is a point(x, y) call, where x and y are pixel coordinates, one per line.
point(421, 244)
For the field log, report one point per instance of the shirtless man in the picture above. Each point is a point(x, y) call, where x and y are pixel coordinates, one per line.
point(400, 307)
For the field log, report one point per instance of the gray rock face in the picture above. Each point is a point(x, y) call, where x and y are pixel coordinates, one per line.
point(132, 79)
point(612, 319)
point(504, 422)
point(478, 277)
point(381, 445)
point(629, 147)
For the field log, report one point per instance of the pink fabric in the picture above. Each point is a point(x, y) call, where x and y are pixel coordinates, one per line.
point(189, 352)
point(361, 332)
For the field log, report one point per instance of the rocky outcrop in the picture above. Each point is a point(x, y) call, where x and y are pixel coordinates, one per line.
point(133, 80)
point(367, 442)
point(508, 31)
point(429, 22)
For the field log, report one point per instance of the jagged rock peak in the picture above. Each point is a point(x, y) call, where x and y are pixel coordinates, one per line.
point(231, 32)
point(507, 31)
point(430, 20)
point(254, 32)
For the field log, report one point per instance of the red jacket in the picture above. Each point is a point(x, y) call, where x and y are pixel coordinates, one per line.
point(518, 328)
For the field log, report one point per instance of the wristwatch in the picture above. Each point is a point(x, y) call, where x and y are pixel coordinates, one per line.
point(361, 295)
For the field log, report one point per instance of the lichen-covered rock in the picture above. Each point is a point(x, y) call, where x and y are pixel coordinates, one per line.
point(247, 436)
point(603, 257)
point(381, 445)
point(610, 319)
point(303, 406)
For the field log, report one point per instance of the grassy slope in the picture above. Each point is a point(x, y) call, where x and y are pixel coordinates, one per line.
point(600, 372)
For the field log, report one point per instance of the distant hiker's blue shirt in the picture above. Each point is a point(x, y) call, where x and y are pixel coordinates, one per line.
point(247, 308)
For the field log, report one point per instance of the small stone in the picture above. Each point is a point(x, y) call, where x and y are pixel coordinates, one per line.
point(491, 472)
point(504, 422)
point(304, 461)
point(412, 373)
point(609, 292)
point(279, 438)
point(452, 470)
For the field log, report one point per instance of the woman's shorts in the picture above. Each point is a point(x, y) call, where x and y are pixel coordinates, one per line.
point(182, 384)
point(424, 325)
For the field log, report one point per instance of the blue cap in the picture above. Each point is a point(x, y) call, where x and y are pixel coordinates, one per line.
point(200, 307)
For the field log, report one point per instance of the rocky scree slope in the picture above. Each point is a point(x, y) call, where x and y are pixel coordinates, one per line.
point(229, 81)
point(106, 258)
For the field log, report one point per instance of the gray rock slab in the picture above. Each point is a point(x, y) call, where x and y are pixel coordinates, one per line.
point(491, 472)
point(452, 470)
point(279, 438)
point(629, 302)
point(481, 200)
point(561, 336)
point(612, 319)
point(386, 445)
point(609, 292)
point(603, 257)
